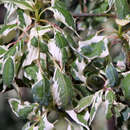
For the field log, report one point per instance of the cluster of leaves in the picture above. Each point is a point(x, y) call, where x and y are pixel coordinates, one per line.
point(69, 78)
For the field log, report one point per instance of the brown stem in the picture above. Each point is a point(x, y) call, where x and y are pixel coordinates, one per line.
point(94, 15)
point(22, 35)
point(52, 24)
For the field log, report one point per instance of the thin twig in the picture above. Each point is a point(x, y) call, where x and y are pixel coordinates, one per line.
point(54, 62)
point(38, 60)
point(52, 24)
point(22, 35)
point(94, 15)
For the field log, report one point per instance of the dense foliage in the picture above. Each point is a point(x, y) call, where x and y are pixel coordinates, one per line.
point(73, 63)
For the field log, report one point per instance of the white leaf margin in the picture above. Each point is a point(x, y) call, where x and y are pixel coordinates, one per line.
point(95, 39)
point(73, 115)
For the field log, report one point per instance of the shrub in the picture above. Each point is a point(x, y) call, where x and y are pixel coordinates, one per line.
point(73, 68)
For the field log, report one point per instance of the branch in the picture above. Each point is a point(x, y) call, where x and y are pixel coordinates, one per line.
point(93, 15)
point(22, 35)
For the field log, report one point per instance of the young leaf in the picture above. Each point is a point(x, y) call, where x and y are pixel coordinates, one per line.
point(84, 103)
point(8, 72)
point(62, 89)
point(93, 48)
point(112, 75)
point(24, 111)
point(41, 92)
point(61, 14)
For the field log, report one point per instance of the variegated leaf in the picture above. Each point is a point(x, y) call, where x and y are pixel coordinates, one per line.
point(122, 11)
point(77, 69)
point(44, 124)
point(109, 100)
point(24, 19)
point(36, 34)
point(25, 110)
point(41, 92)
point(97, 100)
point(125, 85)
point(8, 72)
point(62, 90)
point(7, 33)
point(15, 51)
point(23, 4)
point(61, 14)
point(97, 46)
point(31, 72)
point(112, 75)
point(110, 3)
point(84, 103)
point(110, 96)
point(59, 49)
point(11, 14)
point(3, 50)
point(73, 126)
point(78, 118)
point(122, 8)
